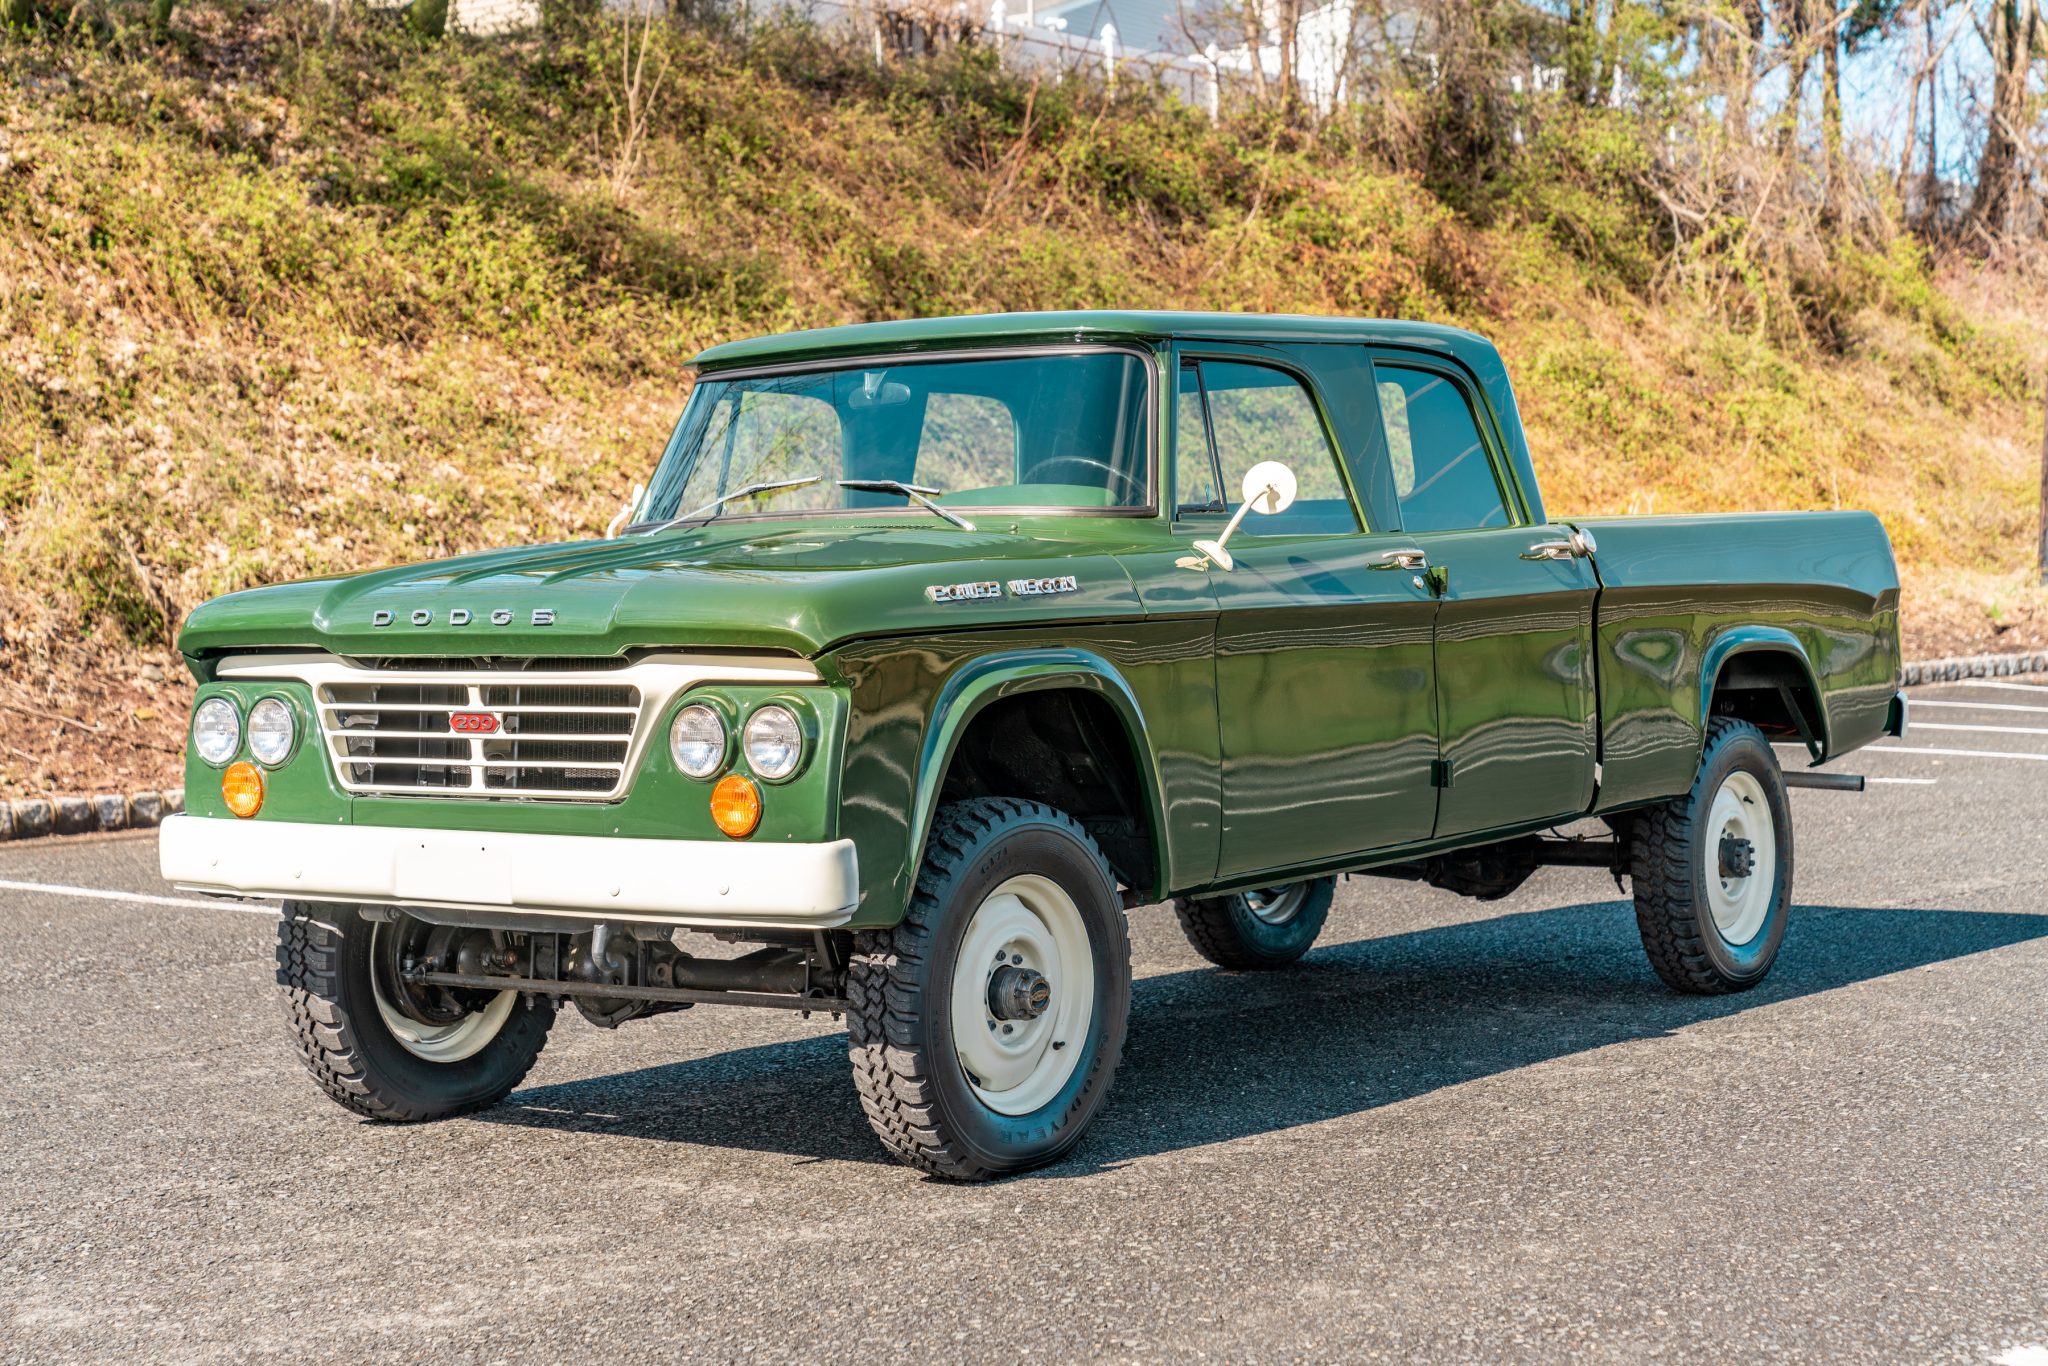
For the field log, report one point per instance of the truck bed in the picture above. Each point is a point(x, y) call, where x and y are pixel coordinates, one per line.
point(1680, 597)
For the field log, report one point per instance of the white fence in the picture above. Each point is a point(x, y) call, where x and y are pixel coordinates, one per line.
point(1027, 45)
point(1024, 45)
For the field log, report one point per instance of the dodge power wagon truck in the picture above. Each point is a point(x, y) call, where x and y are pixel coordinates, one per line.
point(930, 647)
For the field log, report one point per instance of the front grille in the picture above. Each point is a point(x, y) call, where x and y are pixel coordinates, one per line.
point(390, 734)
point(486, 663)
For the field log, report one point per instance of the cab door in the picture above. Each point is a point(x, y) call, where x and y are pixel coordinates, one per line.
point(1325, 683)
point(1516, 706)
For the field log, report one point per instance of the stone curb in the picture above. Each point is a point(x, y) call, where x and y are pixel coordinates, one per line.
point(1973, 666)
point(40, 816)
point(35, 817)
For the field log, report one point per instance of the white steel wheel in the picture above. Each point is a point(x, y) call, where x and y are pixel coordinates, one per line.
point(1277, 905)
point(442, 1043)
point(1023, 995)
point(1740, 850)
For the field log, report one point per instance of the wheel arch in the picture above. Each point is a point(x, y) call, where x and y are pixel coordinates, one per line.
point(1762, 674)
point(1002, 686)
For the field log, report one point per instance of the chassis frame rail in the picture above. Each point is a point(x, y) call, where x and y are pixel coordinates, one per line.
point(770, 1000)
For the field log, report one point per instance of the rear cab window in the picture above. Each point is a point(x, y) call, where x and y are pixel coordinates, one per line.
point(1443, 474)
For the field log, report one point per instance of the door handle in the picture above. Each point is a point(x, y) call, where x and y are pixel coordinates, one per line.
point(1579, 543)
point(1401, 559)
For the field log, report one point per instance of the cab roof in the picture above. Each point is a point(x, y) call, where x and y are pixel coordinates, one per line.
point(997, 329)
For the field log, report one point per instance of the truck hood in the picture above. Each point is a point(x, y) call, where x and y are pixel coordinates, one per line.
point(795, 587)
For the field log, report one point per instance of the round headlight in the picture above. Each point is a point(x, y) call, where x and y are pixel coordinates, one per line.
point(697, 740)
point(216, 730)
point(775, 741)
point(270, 731)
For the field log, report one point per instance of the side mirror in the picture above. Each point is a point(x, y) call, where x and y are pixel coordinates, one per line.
point(611, 530)
point(1269, 487)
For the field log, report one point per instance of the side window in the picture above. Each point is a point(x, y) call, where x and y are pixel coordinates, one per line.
point(1259, 413)
point(1442, 476)
point(1194, 462)
point(969, 441)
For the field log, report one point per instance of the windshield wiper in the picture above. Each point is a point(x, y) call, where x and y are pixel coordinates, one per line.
point(916, 493)
point(747, 491)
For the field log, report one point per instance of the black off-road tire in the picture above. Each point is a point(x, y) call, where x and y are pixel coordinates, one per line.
point(912, 1084)
point(1668, 864)
point(323, 978)
point(1229, 932)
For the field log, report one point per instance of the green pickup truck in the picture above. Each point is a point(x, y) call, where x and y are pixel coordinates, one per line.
point(932, 647)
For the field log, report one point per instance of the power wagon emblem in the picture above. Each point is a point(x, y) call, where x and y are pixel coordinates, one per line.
point(1022, 588)
point(473, 723)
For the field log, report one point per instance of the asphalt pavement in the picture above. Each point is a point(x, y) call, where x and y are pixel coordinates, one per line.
point(1455, 1132)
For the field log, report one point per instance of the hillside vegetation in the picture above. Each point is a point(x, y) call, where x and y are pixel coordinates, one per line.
point(277, 301)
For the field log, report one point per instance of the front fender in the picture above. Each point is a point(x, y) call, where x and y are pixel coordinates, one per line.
point(992, 678)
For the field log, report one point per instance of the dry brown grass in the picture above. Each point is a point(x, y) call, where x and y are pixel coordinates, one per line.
point(274, 306)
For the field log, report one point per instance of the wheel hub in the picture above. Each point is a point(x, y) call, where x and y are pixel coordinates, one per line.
point(1023, 994)
point(1739, 858)
point(430, 1023)
point(1277, 905)
point(1018, 993)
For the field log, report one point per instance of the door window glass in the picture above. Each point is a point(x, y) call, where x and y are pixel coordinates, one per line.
point(1259, 413)
point(1442, 475)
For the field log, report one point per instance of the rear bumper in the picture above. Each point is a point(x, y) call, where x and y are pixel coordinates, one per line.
point(682, 882)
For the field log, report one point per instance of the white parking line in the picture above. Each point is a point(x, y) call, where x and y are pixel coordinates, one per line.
point(1921, 782)
point(1960, 753)
point(1920, 702)
point(1994, 683)
point(139, 898)
point(2001, 730)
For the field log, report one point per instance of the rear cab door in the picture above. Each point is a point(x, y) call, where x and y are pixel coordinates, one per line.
point(1516, 704)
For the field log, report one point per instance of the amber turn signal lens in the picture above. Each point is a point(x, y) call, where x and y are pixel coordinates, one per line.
point(241, 787)
point(736, 805)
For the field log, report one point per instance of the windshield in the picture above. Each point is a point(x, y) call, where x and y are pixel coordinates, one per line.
point(1059, 431)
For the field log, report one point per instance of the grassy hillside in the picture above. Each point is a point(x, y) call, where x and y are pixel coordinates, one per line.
point(277, 302)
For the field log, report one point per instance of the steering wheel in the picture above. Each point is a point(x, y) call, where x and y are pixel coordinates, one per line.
point(1130, 483)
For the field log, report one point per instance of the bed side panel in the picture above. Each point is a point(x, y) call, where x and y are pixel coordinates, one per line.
point(1672, 585)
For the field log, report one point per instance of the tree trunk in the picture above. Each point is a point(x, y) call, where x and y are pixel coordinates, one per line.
point(2014, 35)
point(1581, 42)
point(1799, 55)
point(1831, 124)
point(1288, 15)
point(1910, 148)
point(2043, 560)
point(1930, 190)
point(1742, 70)
point(1251, 14)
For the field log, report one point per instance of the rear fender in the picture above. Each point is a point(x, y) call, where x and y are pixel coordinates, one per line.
point(1775, 640)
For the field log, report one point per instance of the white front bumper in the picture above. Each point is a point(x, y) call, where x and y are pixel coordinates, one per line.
point(684, 882)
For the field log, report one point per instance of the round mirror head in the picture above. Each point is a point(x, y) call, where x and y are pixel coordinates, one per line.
point(1269, 487)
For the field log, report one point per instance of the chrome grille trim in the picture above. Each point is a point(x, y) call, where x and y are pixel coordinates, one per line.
point(589, 732)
